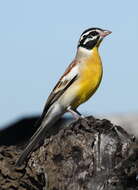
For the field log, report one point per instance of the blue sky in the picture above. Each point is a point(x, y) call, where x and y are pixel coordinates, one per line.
point(38, 40)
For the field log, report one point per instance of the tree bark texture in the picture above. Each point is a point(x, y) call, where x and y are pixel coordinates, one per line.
point(86, 155)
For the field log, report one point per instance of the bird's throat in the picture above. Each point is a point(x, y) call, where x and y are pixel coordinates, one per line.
point(90, 76)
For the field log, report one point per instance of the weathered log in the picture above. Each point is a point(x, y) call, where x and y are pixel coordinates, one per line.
point(93, 155)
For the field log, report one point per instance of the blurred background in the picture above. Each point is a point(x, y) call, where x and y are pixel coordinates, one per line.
point(38, 40)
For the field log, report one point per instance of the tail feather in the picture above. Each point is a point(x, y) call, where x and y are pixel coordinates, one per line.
point(50, 119)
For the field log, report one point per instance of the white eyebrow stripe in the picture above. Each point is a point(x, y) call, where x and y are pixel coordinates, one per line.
point(89, 39)
point(85, 34)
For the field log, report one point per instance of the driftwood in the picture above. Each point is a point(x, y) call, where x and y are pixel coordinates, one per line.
point(93, 155)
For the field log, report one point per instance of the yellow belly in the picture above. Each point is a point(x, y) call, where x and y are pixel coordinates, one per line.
point(90, 78)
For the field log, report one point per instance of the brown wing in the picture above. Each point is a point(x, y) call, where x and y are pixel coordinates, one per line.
point(60, 88)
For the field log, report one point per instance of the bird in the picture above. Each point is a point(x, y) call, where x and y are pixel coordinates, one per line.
point(78, 83)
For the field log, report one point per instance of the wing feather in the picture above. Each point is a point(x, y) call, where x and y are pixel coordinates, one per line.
point(69, 76)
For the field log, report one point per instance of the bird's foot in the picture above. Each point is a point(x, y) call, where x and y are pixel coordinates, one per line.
point(76, 115)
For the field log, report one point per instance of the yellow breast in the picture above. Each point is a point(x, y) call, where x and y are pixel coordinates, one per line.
point(90, 77)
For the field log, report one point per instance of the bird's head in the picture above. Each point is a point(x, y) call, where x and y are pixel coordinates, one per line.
point(92, 37)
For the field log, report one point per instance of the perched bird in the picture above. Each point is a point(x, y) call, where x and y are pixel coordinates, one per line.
point(78, 83)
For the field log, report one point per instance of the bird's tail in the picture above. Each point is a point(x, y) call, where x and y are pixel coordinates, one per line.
point(53, 114)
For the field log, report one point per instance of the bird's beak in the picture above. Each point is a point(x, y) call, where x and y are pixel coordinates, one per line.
point(104, 33)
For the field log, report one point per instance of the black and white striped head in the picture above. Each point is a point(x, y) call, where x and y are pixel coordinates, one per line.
point(92, 37)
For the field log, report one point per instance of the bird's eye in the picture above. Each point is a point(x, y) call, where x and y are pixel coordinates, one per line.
point(94, 33)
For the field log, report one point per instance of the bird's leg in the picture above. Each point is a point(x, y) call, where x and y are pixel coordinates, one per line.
point(75, 113)
point(82, 116)
point(78, 116)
